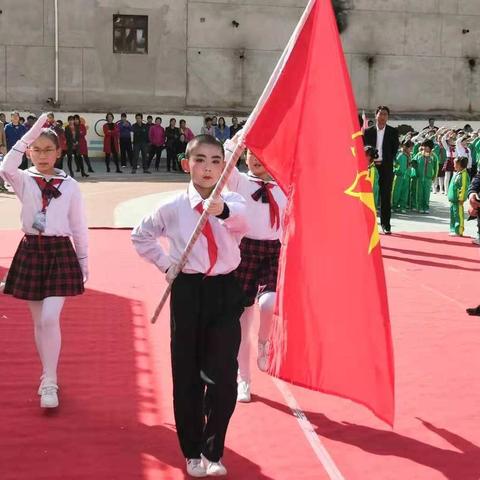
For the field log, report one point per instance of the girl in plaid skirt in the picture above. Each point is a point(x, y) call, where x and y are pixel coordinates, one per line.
point(46, 268)
point(257, 272)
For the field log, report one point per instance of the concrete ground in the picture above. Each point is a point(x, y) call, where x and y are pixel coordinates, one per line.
point(121, 200)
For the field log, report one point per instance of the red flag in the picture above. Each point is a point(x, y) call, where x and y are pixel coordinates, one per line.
point(333, 330)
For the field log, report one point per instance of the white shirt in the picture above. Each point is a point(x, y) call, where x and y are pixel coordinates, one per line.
point(449, 152)
point(461, 151)
point(380, 135)
point(65, 215)
point(176, 220)
point(258, 213)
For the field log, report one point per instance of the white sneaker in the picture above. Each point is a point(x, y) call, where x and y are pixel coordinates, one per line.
point(243, 392)
point(48, 396)
point(196, 468)
point(262, 356)
point(42, 381)
point(214, 469)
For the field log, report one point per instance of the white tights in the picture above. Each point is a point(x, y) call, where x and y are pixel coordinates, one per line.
point(446, 180)
point(266, 303)
point(48, 338)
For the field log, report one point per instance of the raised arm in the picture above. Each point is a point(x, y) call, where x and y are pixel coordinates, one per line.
point(9, 167)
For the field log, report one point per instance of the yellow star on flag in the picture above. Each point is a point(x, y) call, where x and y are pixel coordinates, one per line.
point(357, 190)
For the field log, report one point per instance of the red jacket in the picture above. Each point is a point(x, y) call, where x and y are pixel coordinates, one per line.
point(61, 138)
point(82, 139)
point(108, 136)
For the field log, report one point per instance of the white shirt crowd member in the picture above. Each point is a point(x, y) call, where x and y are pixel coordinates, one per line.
point(380, 135)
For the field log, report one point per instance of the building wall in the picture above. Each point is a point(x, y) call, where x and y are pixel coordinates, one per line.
point(409, 54)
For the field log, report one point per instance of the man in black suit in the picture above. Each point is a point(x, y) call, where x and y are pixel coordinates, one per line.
point(384, 138)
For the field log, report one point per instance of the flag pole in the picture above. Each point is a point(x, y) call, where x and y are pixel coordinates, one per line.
point(232, 156)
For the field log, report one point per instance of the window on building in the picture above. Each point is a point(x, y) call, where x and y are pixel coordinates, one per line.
point(130, 34)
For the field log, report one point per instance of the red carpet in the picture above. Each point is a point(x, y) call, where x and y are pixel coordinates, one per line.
point(116, 419)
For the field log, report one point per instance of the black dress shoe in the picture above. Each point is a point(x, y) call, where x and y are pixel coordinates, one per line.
point(386, 230)
point(474, 311)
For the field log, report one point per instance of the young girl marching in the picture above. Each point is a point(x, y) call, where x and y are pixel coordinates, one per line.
point(260, 250)
point(46, 268)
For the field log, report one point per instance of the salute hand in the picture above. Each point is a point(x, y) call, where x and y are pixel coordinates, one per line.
point(34, 131)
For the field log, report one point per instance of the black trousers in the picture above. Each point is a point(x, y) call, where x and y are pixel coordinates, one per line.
point(385, 183)
point(143, 149)
point(205, 338)
point(126, 151)
point(72, 155)
point(114, 157)
point(156, 151)
point(171, 158)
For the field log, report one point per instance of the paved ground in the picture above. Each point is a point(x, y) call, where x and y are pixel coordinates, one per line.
point(121, 200)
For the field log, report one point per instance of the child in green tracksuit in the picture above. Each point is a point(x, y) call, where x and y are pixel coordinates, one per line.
point(401, 182)
point(372, 155)
point(457, 194)
point(412, 179)
point(427, 167)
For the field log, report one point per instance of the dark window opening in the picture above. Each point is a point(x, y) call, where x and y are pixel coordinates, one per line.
point(130, 34)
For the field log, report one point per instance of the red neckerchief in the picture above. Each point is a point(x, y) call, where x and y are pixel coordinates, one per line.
point(211, 244)
point(265, 193)
point(49, 190)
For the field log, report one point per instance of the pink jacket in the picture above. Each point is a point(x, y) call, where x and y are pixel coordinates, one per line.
point(188, 134)
point(156, 135)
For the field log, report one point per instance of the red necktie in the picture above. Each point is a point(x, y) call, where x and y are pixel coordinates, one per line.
point(212, 246)
point(49, 190)
point(264, 193)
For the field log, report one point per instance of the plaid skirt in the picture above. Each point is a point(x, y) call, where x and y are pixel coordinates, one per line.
point(258, 269)
point(42, 267)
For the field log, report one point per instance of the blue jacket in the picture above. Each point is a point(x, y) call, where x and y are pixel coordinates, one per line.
point(125, 129)
point(13, 133)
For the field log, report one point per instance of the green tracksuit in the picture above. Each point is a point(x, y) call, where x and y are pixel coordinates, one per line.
point(475, 150)
point(401, 182)
point(438, 155)
point(373, 176)
point(427, 168)
point(457, 194)
point(413, 180)
point(416, 148)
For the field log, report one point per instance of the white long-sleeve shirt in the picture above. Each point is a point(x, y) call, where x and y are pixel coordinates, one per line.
point(258, 213)
point(461, 151)
point(380, 137)
point(449, 152)
point(65, 215)
point(176, 220)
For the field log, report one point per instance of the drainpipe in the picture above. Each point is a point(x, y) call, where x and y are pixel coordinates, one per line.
point(56, 51)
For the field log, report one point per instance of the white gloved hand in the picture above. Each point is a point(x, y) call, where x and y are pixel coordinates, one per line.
point(231, 144)
point(172, 273)
point(34, 131)
point(214, 207)
point(84, 267)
